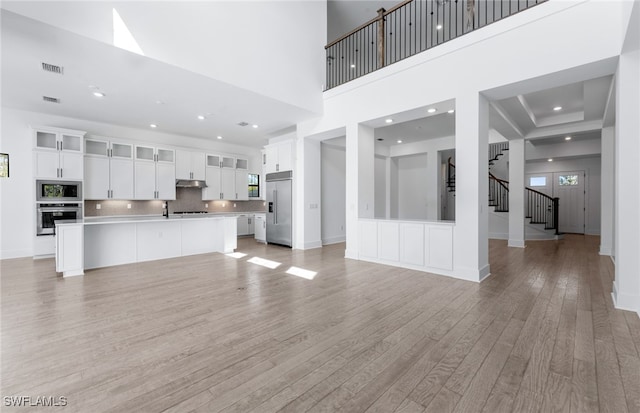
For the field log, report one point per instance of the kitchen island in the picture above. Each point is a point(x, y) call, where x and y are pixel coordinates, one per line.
point(103, 242)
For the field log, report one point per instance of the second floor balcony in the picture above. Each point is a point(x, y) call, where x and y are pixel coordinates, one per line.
point(408, 28)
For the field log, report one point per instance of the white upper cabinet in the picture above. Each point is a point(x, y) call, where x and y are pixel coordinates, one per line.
point(242, 185)
point(154, 173)
point(278, 157)
point(108, 170)
point(226, 178)
point(190, 165)
point(58, 154)
point(212, 174)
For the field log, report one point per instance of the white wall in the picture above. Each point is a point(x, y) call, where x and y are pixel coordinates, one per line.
point(412, 187)
point(380, 178)
point(557, 56)
point(274, 48)
point(333, 193)
point(592, 198)
point(17, 212)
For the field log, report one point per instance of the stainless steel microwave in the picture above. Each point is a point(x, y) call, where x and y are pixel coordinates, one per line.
point(58, 191)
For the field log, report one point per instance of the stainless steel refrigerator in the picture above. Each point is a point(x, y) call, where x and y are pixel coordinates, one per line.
point(279, 208)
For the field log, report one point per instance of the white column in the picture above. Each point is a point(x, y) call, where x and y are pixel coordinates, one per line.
point(471, 234)
point(607, 159)
point(309, 208)
point(626, 286)
point(433, 192)
point(360, 186)
point(516, 193)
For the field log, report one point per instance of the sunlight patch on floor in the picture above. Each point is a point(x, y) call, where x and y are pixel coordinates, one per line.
point(236, 255)
point(265, 263)
point(301, 272)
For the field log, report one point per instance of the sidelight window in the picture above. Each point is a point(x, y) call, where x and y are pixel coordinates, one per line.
point(568, 180)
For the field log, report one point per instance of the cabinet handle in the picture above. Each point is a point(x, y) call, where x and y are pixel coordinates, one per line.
point(277, 167)
point(60, 172)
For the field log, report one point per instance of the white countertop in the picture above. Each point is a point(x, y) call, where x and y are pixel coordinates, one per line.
point(141, 218)
point(411, 221)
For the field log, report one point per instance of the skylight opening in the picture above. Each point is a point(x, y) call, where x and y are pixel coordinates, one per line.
point(122, 37)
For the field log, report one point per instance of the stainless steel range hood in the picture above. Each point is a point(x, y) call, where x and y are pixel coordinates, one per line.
point(190, 183)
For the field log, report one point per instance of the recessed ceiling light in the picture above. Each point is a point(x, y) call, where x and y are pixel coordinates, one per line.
point(98, 94)
point(353, 66)
point(153, 125)
point(550, 160)
point(450, 111)
point(399, 140)
point(567, 138)
point(159, 102)
point(254, 126)
point(432, 110)
point(201, 117)
point(388, 120)
point(557, 108)
point(438, 27)
point(219, 137)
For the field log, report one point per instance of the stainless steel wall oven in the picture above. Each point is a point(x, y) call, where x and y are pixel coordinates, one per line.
point(48, 214)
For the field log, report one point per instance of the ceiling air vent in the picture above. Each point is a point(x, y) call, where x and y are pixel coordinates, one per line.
point(50, 99)
point(48, 67)
point(242, 124)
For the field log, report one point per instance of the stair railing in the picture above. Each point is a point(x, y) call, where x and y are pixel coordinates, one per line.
point(542, 209)
point(451, 176)
point(498, 193)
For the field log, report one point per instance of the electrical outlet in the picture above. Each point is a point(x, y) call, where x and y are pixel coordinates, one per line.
point(234, 204)
point(223, 204)
point(98, 206)
point(128, 206)
point(206, 205)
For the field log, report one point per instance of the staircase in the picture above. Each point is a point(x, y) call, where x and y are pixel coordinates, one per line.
point(540, 208)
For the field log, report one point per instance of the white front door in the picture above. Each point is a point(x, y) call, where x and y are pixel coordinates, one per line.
point(569, 187)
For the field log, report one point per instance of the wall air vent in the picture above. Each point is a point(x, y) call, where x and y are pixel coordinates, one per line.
point(50, 99)
point(48, 67)
point(242, 124)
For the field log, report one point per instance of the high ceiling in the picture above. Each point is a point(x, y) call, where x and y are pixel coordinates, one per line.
point(139, 90)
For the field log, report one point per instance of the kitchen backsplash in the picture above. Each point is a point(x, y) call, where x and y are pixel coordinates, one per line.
point(187, 199)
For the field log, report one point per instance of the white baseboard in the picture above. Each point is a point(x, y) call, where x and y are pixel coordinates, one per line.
point(498, 235)
point(625, 301)
point(605, 250)
point(312, 245)
point(334, 240)
point(351, 254)
point(516, 243)
point(9, 254)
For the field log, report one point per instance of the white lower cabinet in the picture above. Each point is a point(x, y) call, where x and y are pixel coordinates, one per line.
point(245, 224)
point(427, 246)
point(260, 227)
point(70, 249)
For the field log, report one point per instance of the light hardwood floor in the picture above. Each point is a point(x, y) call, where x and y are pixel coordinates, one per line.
point(213, 333)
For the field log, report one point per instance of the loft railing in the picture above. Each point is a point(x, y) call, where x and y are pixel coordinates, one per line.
point(408, 28)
